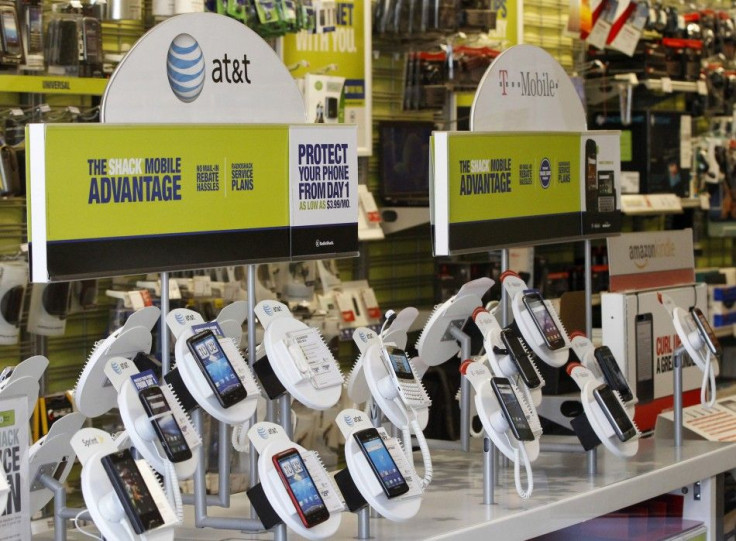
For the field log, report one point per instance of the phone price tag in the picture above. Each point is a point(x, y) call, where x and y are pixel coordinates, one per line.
point(313, 358)
point(324, 482)
point(182, 419)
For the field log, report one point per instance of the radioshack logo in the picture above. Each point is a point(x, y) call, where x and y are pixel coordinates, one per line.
point(528, 84)
point(641, 254)
point(185, 68)
point(320, 243)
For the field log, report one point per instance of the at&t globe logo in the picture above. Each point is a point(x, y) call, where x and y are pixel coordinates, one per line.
point(185, 68)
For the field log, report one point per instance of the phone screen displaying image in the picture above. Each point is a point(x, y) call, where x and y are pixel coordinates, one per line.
point(400, 363)
point(511, 408)
point(614, 412)
point(167, 429)
point(381, 462)
point(132, 491)
point(543, 320)
point(612, 372)
point(520, 358)
point(11, 38)
point(301, 488)
point(216, 368)
point(644, 357)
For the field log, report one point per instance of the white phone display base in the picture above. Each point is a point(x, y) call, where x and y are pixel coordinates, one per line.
point(231, 319)
point(384, 391)
point(515, 288)
point(597, 418)
point(93, 394)
point(396, 333)
point(197, 385)
point(691, 339)
point(501, 364)
point(492, 419)
point(142, 435)
point(398, 509)
point(52, 455)
point(292, 364)
point(270, 439)
point(436, 344)
point(24, 381)
point(100, 498)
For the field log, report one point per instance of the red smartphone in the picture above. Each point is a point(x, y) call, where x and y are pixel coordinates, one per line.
point(301, 488)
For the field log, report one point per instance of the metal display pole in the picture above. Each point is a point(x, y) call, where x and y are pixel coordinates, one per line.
point(285, 414)
point(364, 523)
point(489, 470)
point(677, 359)
point(62, 513)
point(465, 351)
point(163, 330)
point(592, 456)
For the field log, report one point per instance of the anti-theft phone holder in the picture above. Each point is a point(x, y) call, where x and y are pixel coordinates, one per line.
point(24, 381)
point(606, 419)
point(494, 417)
point(370, 477)
point(442, 339)
point(700, 343)
point(93, 394)
point(103, 502)
point(286, 494)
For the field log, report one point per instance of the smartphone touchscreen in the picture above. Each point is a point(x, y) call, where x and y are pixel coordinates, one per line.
point(216, 367)
point(301, 488)
point(381, 462)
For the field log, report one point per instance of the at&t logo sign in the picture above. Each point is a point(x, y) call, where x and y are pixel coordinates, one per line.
point(185, 68)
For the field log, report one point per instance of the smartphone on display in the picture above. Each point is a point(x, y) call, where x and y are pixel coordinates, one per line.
point(216, 367)
point(615, 412)
point(381, 462)
point(553, 336)
point(612, 372)
point(399, 368)
point(511, 408)
point(164, 423)
point(34, 21)
point(521, 358)
point(92, 40)
point(301, 488)
point(11, 36)
point(706, 331)
point(644, 358)
point(132, 491)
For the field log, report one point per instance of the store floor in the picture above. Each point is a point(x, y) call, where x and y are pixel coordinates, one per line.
point(564, 494)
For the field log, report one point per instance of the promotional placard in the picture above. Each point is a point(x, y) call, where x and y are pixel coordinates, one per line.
point(651, 259)
point(158, 202)
point(324, 191)
point(337, 57)
point(15, 519)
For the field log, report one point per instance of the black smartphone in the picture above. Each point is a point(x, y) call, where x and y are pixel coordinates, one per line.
point(591, 175)
point(615, 412)
point(553, 336)
point(381, 462)
point(132, 491)
point(12, 46)
point(511, 408)
point(216, 367)
point(521, 358)
point(706, 331)
point(644, 358)
point(34, 23)
point(612, 372)
point(300, 487)
point(167, 429)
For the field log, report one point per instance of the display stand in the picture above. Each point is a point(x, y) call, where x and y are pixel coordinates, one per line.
point(597, 420)
point(25, 380)
point(52, 455)
point(442, 339)
point(93, 394)
point(269, 440)
point(398, 509)
point(102, 502)
point(695, 346)
point(4, 488)
point(299, 357)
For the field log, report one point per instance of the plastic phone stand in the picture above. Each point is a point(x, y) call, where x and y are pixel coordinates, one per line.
point(5, 490)
point(585, 352)
point(132, 413)
point(279, 499)
point(690, 338)
point(603, 429)
point(396, 333)
point(380, 383)
point(436, 345)
point(23, 386)
point(33, 367)
point(495, 425)
point(502, 365)
point(396, 509)
point(201, 391)
point(303, 391)
point(528, 329)
point(93, 394)
point(102, 502)
point(46, 454)
point(231, 319)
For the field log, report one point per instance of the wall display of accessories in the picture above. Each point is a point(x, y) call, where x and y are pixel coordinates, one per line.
point(414, 19)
